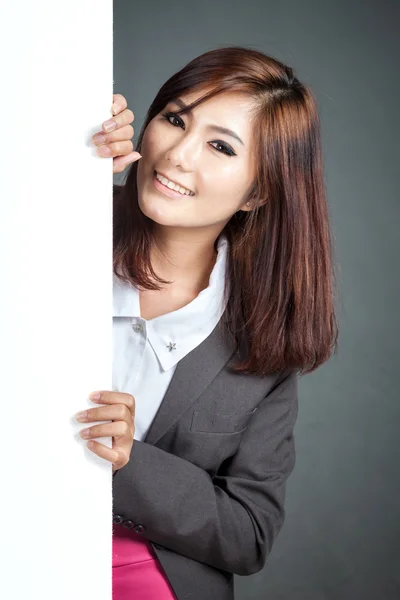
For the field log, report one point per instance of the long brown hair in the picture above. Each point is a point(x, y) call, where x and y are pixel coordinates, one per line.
point(280, 270)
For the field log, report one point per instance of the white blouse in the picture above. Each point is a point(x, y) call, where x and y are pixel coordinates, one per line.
point(146, 352)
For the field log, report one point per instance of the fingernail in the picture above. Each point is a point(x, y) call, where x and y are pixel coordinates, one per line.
point(103, 151)
point(81, 416)
point(109, 126)
point(115, 108)
point(85, 433)
point(99, 138)
point(94, 396)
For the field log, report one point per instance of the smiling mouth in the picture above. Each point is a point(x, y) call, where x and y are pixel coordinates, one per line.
point(170, 185)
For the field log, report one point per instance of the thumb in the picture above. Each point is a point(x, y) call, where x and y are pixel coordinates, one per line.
point(132, 157)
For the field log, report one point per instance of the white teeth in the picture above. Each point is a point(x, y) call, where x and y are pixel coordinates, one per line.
point(174, 186)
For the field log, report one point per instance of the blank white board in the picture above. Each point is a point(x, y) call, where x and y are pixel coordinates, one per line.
point(56, 297)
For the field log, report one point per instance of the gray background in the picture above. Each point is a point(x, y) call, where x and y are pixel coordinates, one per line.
point(341, 538)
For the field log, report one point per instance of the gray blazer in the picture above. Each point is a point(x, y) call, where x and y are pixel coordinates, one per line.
point(207, 484)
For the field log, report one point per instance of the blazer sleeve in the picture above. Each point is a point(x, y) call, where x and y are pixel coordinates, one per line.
point(229, 521)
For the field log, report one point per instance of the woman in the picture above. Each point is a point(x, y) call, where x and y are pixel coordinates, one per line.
point(223, 295)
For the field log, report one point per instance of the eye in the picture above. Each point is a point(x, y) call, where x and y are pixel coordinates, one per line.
point(168, 115)
point(225, 148)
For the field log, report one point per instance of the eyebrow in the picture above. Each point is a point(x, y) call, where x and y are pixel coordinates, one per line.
point(225, 130)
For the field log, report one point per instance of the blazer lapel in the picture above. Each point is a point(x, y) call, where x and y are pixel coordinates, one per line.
point(192, 375)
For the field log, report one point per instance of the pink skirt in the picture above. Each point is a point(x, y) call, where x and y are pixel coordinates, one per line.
point(137, 573)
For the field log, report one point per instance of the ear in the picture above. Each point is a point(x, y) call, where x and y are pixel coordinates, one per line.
point(254, 203)
point(247, 207)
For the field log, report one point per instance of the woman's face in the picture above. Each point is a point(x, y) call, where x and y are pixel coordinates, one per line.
point(214, 165)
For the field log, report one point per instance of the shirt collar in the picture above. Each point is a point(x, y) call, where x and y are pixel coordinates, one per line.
point(183, 329)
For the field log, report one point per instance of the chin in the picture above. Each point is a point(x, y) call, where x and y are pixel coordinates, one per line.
point(157, 211)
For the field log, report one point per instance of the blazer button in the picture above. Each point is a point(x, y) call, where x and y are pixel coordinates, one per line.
point(128, 524)
point(117, 519)
point(139, 528)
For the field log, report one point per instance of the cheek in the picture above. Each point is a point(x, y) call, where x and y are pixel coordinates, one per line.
point(152, 141)
point(149, 151)
point(229, 181)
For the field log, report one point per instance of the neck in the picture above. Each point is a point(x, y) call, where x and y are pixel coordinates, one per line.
point(184, 257)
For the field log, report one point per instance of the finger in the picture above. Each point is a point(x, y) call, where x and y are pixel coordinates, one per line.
point(107, 397)
point(105, 452)
point(119, 104)
point(123, 118)
point(121, 162)
point(115, 149)
point(124, 133)
point(116, 429)
point(115, 412)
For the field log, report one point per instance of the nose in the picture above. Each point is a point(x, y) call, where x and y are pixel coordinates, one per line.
point(184, 153)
